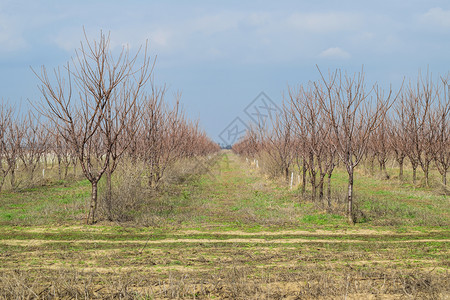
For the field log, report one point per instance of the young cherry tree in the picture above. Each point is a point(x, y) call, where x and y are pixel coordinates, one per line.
point(91, 102)
point(415, 105)
point(34, 144)
point(312, 127)
point(6, 117)
point(354, 113)
point(442, 127)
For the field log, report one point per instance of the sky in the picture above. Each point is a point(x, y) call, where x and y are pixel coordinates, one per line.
point(223, 56)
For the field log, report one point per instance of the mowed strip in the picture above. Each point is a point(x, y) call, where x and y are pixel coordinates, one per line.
point(202, 241)
point(188, 253)
point(35, 237)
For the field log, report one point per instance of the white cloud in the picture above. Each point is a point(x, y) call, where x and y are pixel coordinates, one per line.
point(259, 18)
point(215, 23)
point(11, 38)
point(68, 39)
point(335, 53)
point(437, 17)
point(324, 22)
point(160, 37)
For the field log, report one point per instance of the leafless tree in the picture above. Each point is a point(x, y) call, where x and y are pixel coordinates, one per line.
point(398, 138)
point(122, 122)
point(166, 136)
point(427, 132)
point(442, 127)
point(249, 145)
point(63, 153)
point(12, 145)
point(381, 146)
point(330, 165)
point(415, 105)
point(300, 151)
point(152, 132)
point(353, 116)
point(309, 127)
point(107, 90)
point(313, 129)
point(277, 142)
point(6, 115)
point(34, 144)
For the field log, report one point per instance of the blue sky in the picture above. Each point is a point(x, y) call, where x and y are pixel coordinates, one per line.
point(222, 54)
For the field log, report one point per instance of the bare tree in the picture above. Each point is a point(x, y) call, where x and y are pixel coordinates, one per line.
point(152, 132)
point(309, 127)
point(381, 145)
point(107, 90)
point(6, 115)
point(398, 138)
point(13, 145)
point(415, 105)
point(122, 122)
point(277, 142)
point(442, 128)
point(61, 150)
point(330, 165)
point(427, 132)
point(314, 130)
point(299, 145)
point(34, 145)
point(353, 117)
point(249, 145)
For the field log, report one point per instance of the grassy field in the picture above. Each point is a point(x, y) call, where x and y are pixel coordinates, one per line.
point(227, 233)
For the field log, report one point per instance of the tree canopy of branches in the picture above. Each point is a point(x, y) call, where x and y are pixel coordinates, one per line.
point(91, 102)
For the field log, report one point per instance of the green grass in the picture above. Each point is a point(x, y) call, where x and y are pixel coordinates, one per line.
point(237, 196)
point(322, 219)
point(60, 203)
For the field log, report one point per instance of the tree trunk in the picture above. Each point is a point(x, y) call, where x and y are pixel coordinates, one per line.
point(350, 215)
point(93, 205)
point(59, 168)
point(321, 181)
point(75, 169)
point(329, 191)
point(313, 186)
point(286, 173)
point(109, 193)
point(400, 175)
point(414, 174)
point(31, 175)
point(426, 173)
point(444, 178)
point(304, 178)
point(2, 182)
point(312, 174)
point(372, 166)
point(13, 178)
point(66, 169)
point(386, 175)
point(150, 175)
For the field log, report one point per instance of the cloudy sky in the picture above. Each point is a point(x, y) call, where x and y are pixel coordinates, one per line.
point(221, 54)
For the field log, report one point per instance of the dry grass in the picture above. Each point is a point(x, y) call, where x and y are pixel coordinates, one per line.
point(235, 282)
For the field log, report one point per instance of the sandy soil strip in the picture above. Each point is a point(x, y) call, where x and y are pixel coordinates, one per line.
point(36, 242)
point(318, 232)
